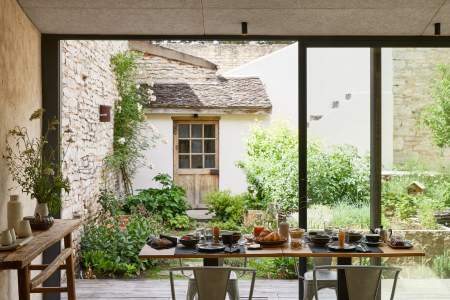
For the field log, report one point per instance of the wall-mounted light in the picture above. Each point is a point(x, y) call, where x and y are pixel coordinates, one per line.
point(105, 113)
point(244, 28)
point(437, 28)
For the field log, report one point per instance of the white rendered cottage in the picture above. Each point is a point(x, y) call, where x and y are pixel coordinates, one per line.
point(203, 118)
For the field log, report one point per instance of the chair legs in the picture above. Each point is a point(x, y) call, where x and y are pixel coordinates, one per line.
point(232, 290)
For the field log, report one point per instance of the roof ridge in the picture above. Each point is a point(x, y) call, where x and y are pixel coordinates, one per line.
point(168, 53)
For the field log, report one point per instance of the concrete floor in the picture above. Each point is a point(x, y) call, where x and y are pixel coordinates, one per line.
point(408, 289)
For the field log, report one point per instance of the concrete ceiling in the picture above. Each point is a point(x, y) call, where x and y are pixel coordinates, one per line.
point(223, 17)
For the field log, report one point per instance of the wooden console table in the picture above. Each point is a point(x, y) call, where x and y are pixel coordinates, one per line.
point(20, 259)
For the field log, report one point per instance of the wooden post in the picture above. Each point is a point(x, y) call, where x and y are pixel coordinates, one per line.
point(70, 271)
point(23, 276)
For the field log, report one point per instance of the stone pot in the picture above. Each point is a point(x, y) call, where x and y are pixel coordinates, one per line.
point(41, 210)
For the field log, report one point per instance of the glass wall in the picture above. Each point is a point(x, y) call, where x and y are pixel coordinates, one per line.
point(338, 85)
point(416, 174)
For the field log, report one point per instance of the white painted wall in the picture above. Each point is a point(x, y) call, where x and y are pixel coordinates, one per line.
point(332, 73)
point(160, 158)
point(233, 133)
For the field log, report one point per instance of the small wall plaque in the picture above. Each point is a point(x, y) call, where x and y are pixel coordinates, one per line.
point(105, 113)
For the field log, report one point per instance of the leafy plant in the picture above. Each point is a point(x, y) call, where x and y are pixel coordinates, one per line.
point(180, 222)
point(271, 167)
point(129, 142)
point(110, 204)
point(337, 175)
point(437, 115)
point(275, 268)
point(109, 249)
point(167, 201)
point(33, 164)
point(441, 264)
point(226, 207)
point(340, 215)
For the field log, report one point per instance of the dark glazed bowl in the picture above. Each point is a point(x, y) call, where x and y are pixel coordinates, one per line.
point(188, 241)
point(320, 240)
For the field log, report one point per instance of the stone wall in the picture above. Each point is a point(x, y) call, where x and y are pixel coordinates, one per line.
point(20, 95)
point(432, 242)
point(87, 82)
point(414, 70)
point(226, 55)
point(160, 69)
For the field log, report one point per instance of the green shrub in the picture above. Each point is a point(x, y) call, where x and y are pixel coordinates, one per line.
point(110, 204)
point(337, 175)
point(225, 225)
point(226, 207)
point(275, 268)
point(441, 265)
point(180, 222)
point(341, 215)
point(166, 202)
point(427, 207)
point(271, 167)
point(111, 250)
point(401, 205)
point(437, 114)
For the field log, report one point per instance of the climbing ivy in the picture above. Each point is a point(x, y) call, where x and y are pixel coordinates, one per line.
point(130, 142)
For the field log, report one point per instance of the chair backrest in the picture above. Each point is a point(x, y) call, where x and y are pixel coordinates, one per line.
point(322, 261)
point(212, 282)
point(363, 282)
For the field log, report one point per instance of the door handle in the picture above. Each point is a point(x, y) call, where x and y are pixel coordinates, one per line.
point(214, 172)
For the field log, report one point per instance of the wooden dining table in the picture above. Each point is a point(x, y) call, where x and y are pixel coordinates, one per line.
point(343, 258)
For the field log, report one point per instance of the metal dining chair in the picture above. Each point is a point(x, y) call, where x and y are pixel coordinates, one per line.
point(211, 283)
point(325, 278)
point(363, 282)
point(232, 288)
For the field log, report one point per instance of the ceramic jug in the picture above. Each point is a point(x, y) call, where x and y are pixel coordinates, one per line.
point(14, 212)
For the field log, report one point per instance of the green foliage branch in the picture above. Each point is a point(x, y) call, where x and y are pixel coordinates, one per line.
point(129, 142)
point(34, 165)
point(437, 115)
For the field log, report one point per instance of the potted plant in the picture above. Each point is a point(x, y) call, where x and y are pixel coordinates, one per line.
point(34, 166)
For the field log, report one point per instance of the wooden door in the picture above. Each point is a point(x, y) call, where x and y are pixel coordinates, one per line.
point(196, 161)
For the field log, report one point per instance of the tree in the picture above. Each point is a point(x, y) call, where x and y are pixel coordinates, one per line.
point(437, 115)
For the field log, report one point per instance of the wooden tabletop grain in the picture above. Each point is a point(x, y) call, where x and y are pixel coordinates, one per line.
point(148, 252)
point(23, 256)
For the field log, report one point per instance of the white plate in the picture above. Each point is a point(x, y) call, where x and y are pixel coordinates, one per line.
point(18, 243)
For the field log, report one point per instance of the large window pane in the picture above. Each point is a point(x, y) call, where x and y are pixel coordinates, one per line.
point(210, 131)
point(416, 173)
point(197, 130)
point(197, 161)
point(338, 138)
point(184, 130)
point(184, 146)
point(196, 146)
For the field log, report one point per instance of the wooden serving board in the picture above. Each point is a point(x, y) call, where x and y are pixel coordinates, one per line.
point(18, 243)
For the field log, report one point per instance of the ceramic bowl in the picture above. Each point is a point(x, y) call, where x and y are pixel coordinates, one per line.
point(188, 241)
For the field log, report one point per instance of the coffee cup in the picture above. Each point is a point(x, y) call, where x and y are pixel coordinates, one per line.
point(6, 238)
point(373, 237)
point(24, 229)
